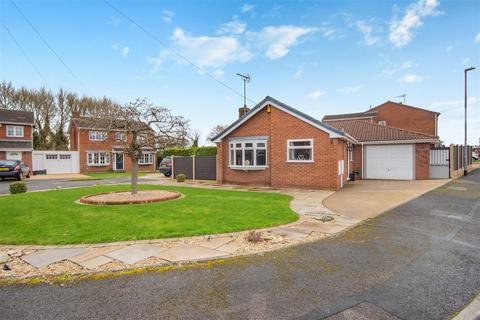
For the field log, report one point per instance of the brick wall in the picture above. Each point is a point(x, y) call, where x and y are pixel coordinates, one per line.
point(422, 161)
point(357, 160)
point(407, 118)
point(279, 127)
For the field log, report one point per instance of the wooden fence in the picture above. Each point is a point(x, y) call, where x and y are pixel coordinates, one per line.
point(195, 167)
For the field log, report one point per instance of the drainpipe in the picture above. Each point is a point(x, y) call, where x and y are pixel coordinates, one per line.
point(362, 160)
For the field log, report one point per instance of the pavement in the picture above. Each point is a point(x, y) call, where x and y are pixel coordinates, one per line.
point(420, 260)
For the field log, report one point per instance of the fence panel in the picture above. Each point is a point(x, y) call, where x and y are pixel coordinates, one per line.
point(206, 168)
point(183, 165)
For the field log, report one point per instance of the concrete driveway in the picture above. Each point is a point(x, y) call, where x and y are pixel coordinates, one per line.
point(364, 199)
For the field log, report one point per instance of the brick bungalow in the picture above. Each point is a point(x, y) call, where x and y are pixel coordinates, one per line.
point(276, 145)
point(101, 146)
point(16, 135)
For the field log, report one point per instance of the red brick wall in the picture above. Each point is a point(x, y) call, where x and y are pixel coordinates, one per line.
point(3, 155)
point(422, 161)
point(27, 133)
point(26, 157)
point(107, 145)
point(407, 118)
point(279, 127)
point(357, 160)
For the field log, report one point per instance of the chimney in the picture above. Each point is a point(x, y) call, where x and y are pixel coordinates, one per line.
point(76, 114)
point(242, 111)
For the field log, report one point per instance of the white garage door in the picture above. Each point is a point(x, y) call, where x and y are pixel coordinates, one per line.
point(389, 162)
point(56, 161)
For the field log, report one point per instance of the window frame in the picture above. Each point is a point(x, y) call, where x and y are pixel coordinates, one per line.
point(91, 160)
point(93, 135)
point(122, 134)
point(14, 128)
point(300, 147)
point(232, 146)
point(142, 158)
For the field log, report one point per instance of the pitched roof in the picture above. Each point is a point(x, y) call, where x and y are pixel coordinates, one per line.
point(355, 115)
point(16, 116)
point(269, 100)
point(102, 124)
point(402, 105)
point(12, 144)
point(364, 131)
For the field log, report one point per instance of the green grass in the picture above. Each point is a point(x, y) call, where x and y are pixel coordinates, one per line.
point(53, 217)
point(111, 174)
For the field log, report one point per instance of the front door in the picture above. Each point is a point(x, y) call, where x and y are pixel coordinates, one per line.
point(118, 161)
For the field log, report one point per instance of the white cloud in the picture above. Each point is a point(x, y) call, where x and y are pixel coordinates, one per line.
point(298, 73)
point(247, 8)
point(207, 51)
point(367, 30)
point(168, 16)
point(316, 94)
point(410, 77)
point(390, 71)
point(350, 89)
point(125, 51)
point(278, 40)
point(218, 73)
point(401, 30)
point(233, 27)
point(477, 38)
point(466, 60)
point(157, 61)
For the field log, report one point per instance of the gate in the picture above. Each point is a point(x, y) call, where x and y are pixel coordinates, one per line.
point(195, 167)
point(439, 163)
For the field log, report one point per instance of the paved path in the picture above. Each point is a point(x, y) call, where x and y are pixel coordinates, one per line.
point(418, 261)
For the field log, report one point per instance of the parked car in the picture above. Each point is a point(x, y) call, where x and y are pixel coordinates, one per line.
point(475, 156)
point(14, 169)
point(166, 166)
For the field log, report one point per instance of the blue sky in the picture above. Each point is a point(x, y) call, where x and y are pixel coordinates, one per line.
point(321, 57)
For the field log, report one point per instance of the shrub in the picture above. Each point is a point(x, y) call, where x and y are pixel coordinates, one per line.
point(254, 236)
point(180, 177)
point(194, 151)
point(18, 187)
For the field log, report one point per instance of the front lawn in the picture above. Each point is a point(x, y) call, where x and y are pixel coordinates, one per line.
point(112, 174)
point(53, 217)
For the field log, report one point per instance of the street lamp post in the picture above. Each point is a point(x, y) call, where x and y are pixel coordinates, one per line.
point(465, 151)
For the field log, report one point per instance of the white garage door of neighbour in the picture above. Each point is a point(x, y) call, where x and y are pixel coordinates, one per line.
point(390, 162)
point(56, 161)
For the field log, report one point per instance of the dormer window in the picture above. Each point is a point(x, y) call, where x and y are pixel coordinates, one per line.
point(15, 131)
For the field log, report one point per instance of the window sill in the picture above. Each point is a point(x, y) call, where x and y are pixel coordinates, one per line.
point(145, 164)
point(249, 168)
point(300, 161)
point(98, 165)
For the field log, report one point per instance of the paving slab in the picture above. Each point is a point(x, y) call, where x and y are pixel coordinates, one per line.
point(458, 188)
point(214, 243)
point(45, 257)
point(95, 262)
point(136, 252)
point(230, 248)
point(292, 233)
point(93, 253)
point(189, 252)
point(321, 227)
point(345, 221)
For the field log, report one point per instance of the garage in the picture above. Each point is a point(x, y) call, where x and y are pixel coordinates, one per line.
point(395, 162)
point(56, 161)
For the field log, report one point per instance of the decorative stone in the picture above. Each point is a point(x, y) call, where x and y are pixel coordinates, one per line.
point(3, 257)
point(325, 218)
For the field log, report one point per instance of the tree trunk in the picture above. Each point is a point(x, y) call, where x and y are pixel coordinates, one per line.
point(134, 182)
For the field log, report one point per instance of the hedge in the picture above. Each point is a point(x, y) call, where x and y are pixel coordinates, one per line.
point(194, 151)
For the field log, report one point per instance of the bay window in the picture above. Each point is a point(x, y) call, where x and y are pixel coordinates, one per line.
point(248, 154)
point(300, 150)
point(98, 159)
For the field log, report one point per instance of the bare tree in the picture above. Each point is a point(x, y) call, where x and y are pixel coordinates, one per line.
point(219, 128)
point(195, 137)
point(147, 128)
point(7, 95)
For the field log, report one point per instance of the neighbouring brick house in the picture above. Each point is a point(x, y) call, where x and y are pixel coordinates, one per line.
point(101, 146)
point(16, 135)
point(276, 145)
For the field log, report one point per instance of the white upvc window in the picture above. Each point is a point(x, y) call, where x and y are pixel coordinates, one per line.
point(300, 150)
point(15, 131)
point(248, 154)
point(145, 158)
point(97, 135)
point(98, 159)
point(350, 152)
point(120, 136)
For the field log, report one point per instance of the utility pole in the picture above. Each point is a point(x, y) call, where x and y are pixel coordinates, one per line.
point(246, 78)
point(465, 151)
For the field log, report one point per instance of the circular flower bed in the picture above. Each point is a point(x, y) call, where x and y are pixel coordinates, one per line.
point(126, 197)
